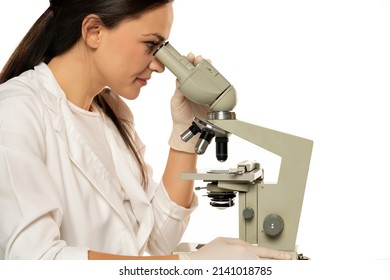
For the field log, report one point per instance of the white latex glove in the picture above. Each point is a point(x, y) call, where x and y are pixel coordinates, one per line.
point(183, 111)
point(223, 248)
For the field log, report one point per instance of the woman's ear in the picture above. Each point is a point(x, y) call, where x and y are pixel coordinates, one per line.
point(92, 31)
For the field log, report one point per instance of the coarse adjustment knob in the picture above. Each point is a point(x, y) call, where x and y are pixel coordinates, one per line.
point(273, 225)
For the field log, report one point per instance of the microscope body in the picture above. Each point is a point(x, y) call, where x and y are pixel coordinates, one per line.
point(269, 214)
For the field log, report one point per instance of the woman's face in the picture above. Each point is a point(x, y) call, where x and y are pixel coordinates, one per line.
point(124, 60)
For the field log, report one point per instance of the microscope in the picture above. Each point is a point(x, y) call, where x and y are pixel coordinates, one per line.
point(269, 214)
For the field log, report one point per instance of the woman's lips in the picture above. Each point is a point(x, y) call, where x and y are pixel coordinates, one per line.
point(143, 82)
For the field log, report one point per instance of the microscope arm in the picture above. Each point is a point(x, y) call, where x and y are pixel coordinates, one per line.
point(294, 151)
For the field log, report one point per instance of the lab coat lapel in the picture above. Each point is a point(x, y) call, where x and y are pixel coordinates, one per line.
point(128, 175)
point(89, 164)
point(78, 151)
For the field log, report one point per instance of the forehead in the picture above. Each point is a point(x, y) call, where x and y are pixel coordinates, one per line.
point(156, 21)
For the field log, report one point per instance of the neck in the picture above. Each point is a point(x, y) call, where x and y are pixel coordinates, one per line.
point(75, 77)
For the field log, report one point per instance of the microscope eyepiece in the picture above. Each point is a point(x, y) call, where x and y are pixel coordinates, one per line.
point(162, 45)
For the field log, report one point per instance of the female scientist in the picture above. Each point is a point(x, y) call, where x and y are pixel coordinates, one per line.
point(73, 181)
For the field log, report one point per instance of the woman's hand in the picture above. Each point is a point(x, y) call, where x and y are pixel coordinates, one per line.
point(223, 248)
point(183, 112)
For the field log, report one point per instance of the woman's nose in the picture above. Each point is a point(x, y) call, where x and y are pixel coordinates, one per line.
point(156, 66)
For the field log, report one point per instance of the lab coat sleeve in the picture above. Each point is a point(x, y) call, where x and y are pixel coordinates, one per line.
point(171, 221)
point(31, 214)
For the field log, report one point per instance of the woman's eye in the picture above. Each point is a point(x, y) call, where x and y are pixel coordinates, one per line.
point(152, 45)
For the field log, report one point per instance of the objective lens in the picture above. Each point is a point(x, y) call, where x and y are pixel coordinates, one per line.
point(204, 140)
point(221, 148)
point(190, 132)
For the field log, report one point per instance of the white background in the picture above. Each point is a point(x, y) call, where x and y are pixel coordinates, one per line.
point(315, 69)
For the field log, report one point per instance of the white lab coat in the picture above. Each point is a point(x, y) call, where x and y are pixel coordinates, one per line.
point(56, 198)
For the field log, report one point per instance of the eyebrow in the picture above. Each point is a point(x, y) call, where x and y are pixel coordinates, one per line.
point(160, 37)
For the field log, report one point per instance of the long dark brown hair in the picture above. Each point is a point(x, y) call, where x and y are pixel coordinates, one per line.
point(59, 28)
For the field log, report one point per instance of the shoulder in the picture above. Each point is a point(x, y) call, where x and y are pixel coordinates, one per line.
point(22, 124)
point(31, 91)
point(21, 91)
point(25, 84)
point(19, 98)
point(35, 85)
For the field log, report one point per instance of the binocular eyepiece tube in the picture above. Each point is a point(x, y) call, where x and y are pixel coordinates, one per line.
point(178, 64)
point(204, 85)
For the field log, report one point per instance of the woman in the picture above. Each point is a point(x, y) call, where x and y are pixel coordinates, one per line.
point(74, 184)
